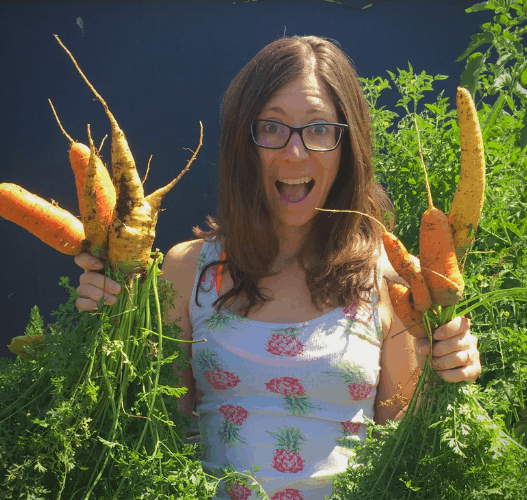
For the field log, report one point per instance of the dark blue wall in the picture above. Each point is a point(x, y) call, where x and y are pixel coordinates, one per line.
point(162, 67)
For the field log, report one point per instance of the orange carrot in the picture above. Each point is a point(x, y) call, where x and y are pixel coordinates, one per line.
point(402, 262)
point(104, 191)
point(437, 253)
point(53, 225)
point(405, 267)
point(403, 305)
point(438, 258)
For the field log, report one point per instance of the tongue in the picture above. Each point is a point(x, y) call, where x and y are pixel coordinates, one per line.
point(293, 192)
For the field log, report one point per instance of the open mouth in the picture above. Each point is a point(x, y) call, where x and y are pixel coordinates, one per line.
point(295, 190)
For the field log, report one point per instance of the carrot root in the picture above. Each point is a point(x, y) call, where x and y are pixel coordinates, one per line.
point(403, 305)
point(51, 224)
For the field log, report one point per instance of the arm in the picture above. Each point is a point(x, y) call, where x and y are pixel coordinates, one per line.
point(399, 365)
point(179, 267)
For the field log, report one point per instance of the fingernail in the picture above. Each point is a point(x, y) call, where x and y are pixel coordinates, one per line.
point(96, 264)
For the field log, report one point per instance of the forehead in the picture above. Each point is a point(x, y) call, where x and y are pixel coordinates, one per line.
point(307, 94)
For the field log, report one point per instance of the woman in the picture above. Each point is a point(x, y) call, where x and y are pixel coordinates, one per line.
point(302, 341)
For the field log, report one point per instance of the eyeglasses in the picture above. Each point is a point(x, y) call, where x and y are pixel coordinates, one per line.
point(321, 136)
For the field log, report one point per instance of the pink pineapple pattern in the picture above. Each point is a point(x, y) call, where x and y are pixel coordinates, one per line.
point(284, 342)
point(287, 457)
point(219, 379)
point(294, 395)
point(239, 491)
point(355, 378)
point(229, 432)
point(288, 494)
point(209, 278)
point(349, 431)
point(358, 321)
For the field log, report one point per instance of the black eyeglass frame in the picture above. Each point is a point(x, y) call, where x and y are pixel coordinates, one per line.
point(292, 130)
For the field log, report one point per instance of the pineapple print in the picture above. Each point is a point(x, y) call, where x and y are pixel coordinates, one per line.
point(355, 378)
point(348, 434)
point(288, 494)
point(294, 395)
point(219, 320)
point(201, 262)
point(239, 491)
point(208, 281)
point(219, 379)
point(229, 432)
point(286, 457)
point(284, 342)
point(358, 321)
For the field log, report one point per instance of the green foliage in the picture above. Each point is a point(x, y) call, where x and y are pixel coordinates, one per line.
point(93, 413)
point(460, 450)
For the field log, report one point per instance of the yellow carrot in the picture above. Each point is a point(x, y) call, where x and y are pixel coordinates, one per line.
point(95, 229)
point(132, 231)
point(467, 204)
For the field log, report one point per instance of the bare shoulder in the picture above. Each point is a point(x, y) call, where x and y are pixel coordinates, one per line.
point(180, 266)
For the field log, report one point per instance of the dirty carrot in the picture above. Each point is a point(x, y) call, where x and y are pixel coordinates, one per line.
point(405, 267)
point(104, 190)
point(467, 204)
point(404, 307)
point(439, 263)
point(51, 224)
point(95, 229)
point(402, 262)
point(132, 231)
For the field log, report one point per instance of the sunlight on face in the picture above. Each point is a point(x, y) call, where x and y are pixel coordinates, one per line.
point(298, 180)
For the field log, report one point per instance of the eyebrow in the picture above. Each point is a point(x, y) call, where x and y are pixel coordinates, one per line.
point(311, 111)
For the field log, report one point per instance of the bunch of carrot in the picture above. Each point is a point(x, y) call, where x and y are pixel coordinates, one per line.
point(94, 416)
point(445, 431)
point(118, 220)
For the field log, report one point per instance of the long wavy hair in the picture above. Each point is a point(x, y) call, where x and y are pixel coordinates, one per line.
point(339, 254)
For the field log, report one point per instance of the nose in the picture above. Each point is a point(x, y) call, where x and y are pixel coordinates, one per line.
point(295, 149)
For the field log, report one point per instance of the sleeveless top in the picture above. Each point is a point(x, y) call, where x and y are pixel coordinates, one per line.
point(290, 398)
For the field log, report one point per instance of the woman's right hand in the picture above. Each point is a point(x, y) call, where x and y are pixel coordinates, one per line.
point(93, 285)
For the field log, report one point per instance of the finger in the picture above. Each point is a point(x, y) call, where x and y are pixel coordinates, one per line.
point(83, 304)
point(467, 373)
point(100, 281)
point(88, 262)
point(452, 328)
point(461, 342)
point(95, 294)
point(422, 347)
point(457, 359)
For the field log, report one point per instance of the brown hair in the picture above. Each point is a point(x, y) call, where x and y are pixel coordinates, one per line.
point(344, 245)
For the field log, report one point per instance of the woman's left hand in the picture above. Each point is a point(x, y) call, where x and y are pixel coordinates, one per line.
point(455, 353)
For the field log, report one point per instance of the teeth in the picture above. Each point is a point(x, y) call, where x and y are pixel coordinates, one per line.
point(300, 180)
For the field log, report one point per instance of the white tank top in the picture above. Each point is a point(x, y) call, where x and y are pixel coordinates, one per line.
point(290, 398)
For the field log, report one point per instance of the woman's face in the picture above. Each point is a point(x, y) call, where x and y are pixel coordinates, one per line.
point(300, 102)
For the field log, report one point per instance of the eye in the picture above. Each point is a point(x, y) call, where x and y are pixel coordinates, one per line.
point(271, 128)
point(319, 129)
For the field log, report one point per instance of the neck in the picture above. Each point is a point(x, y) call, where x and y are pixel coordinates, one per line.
point(290, 241)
